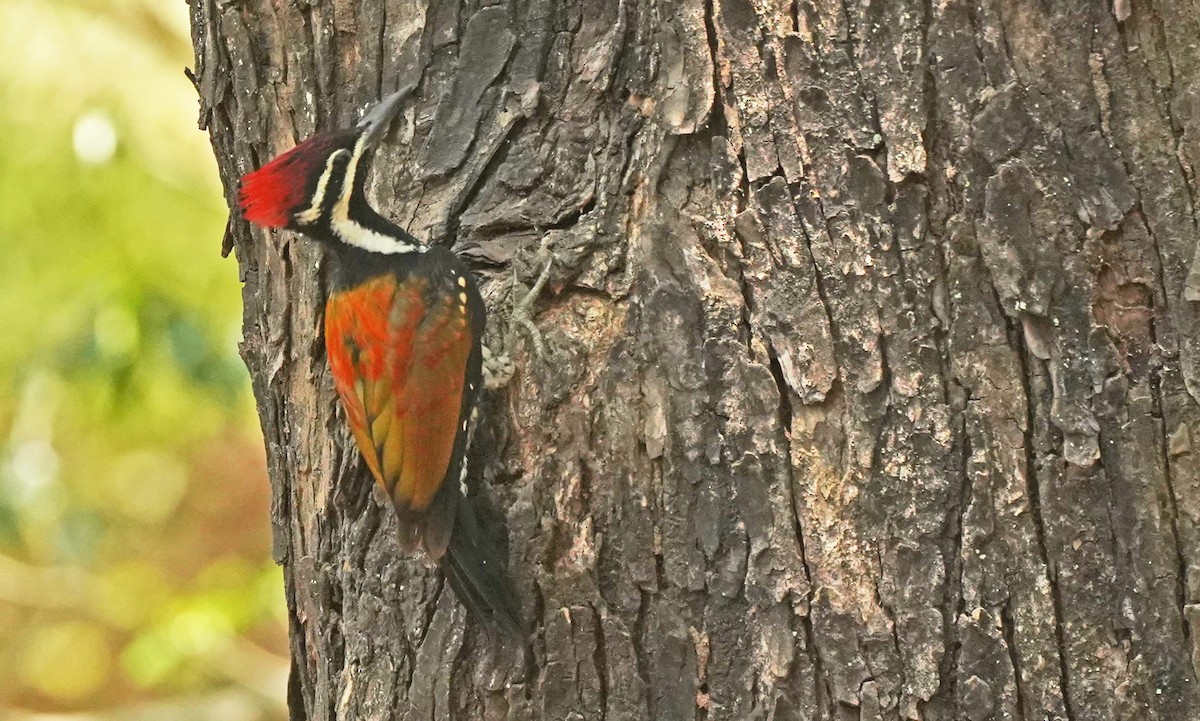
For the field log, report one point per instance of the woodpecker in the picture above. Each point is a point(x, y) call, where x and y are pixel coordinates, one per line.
point(404, 323)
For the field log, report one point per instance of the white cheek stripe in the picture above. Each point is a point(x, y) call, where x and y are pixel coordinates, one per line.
point(357, 235)
point(354, 234)
point(313, 214)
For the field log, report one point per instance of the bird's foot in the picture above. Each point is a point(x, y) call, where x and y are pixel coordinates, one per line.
point(498, 367)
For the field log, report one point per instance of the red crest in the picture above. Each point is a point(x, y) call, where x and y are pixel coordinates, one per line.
point(270, 195)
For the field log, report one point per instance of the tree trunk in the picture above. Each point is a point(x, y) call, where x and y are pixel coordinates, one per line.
point(871, 358)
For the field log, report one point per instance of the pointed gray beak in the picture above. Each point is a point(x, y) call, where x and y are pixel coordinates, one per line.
point(378, 118)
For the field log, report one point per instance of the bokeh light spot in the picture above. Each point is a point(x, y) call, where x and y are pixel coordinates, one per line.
point(128, 594)
point(34, 466)
point(67, 660)
point(116, 331)
point(147, 485)
point(94, 138)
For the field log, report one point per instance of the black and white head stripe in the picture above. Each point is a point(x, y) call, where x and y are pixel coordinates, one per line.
point(351, 231)
point(339, 176)
point(336, 158)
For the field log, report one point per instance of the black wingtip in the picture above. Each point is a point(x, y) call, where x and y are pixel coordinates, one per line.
point(480, 580)
point(487, 595)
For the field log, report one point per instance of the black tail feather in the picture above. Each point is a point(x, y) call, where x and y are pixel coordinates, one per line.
point(477, 574)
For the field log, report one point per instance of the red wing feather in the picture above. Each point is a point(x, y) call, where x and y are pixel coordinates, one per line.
point(400, 368)
point(356, 340)
point(429, 386)
point(270, 195)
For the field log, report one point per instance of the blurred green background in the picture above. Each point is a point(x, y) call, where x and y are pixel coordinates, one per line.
point(135, 572)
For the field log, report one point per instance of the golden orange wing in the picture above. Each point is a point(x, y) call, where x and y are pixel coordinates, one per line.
point(400, 364)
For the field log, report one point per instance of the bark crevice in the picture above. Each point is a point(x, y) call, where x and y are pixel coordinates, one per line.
point(871, 381)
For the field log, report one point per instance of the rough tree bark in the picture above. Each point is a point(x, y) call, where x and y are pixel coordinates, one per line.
point(872, 362)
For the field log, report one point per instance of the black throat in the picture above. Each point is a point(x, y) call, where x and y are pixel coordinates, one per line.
point(353, 266)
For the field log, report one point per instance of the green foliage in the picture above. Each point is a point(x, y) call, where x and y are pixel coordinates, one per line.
point(134, 557)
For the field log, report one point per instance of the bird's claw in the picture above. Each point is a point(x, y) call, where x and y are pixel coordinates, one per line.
point(522, 312)
point(498, 368)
